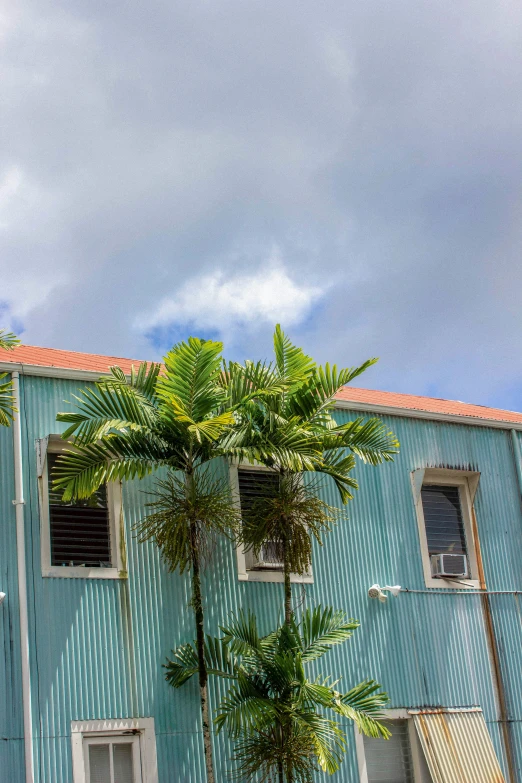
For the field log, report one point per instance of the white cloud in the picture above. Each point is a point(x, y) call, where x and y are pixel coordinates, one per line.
point(220, 301)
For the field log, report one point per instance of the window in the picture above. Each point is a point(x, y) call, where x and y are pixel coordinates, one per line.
point(248, 483)
point(80, 538)
point(444, 503)
point(114, 751)
point(390, 763)
point(112, 759)
point(429, 744)
point(397, 760)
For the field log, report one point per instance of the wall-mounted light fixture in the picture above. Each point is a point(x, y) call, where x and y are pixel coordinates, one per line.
point(376, 591)
point(2, 596)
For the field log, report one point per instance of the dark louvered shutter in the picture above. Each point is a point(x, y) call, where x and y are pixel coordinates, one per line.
point(254, 484)
point(80, 529)
point(443, 520)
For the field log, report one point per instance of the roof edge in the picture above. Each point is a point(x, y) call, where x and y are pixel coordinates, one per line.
point(66, 373)
point(415, 413)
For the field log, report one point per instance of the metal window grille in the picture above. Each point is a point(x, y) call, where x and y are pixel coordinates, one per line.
point(80, 529)
point(255, 484)
point(390, 761)
point(443, 520)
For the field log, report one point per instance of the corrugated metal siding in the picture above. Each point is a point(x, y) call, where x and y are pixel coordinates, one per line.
point(100, 644)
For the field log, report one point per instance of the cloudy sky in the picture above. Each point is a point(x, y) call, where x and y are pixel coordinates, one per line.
point(350, 169)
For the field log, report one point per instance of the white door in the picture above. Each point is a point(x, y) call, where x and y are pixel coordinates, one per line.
point(113, 759)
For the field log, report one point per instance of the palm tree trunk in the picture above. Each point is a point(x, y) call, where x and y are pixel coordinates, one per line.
point(202, 666)
point(288, 584)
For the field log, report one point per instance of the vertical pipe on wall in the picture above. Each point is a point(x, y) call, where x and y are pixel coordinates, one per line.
point(19, 503)
point(518, 466)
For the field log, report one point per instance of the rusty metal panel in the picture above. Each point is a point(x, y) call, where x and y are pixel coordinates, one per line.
point(457, 747)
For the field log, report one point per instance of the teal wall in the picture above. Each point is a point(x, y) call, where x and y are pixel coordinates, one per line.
point(97, 645)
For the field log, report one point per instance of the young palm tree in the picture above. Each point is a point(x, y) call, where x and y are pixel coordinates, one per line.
point(278, 717)
point(8, 341)
point(293, 432)
point(125, 428)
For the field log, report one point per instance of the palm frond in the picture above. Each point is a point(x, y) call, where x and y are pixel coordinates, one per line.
point(364, 704)
point(370, 440)
point(241, 634)
point(78, 473)
point(106, 408)
point(191, 383)
point(184, 663)
point(338, 465)
point(6, 401)
point(8, 340)
point(143, 380)
point(317, 394)
point(322, 628)
point(293, 365)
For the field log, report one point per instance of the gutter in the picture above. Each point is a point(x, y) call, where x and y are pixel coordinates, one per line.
point(19, 504)
point(365, 407)
point(415, 413)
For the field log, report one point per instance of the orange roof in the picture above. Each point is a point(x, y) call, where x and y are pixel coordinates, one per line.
point(412, 402)
point(68, 360)
point(362, 399)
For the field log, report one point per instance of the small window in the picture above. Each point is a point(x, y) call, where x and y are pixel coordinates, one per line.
point(399, 759)
point(248, 483)
point(443, 520)
point(80, 538)
point(112, 759)
point(114, 751)
point(80, 529)
point(444, 502)
point(390, 761)
point(254, 484)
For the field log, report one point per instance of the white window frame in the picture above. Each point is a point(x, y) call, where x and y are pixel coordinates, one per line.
point(244, 573)
point(467, 483)
point(100, 729)
point(55, 445)
point(420, 773)
point(116, 739)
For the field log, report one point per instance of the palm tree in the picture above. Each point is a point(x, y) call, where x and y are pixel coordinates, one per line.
point(278, 717)
point(125, 428)
point(293, 432)
point(8, 341)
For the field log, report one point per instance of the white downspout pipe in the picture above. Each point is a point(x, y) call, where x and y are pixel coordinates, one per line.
point(19, 503)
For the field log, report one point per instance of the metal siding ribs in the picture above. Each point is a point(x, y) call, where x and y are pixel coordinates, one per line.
point(97, 645)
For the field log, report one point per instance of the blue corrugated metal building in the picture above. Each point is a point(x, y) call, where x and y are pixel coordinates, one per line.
point(96, 644)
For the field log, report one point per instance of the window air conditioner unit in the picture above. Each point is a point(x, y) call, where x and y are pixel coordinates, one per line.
point(455, 566)
point(270, 556)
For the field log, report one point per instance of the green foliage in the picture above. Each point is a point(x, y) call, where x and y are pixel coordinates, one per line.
point(279, 719)
point(290, 513)
point(124, 428)
point(284, 417)
point(8, 341)
point(187, 515)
